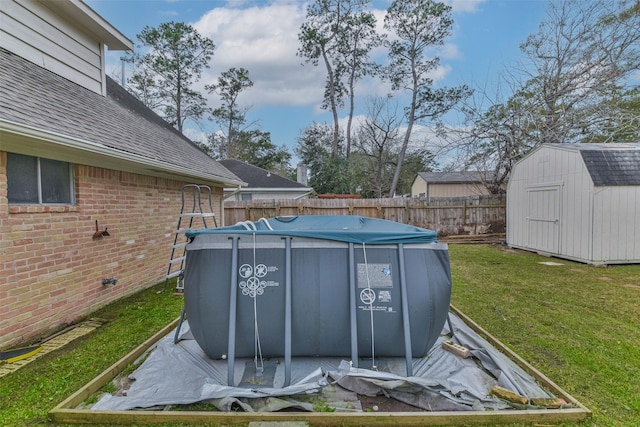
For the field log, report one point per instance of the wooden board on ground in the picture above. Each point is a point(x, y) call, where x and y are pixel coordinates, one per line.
point(68, 412)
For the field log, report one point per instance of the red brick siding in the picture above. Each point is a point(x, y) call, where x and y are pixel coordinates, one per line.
point(52, 267)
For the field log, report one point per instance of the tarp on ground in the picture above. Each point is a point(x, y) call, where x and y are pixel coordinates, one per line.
point(181, 373)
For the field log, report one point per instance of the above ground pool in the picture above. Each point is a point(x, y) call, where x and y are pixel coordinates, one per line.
point(343, 286)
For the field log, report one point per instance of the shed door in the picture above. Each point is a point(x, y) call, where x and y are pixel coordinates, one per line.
point(543, 219)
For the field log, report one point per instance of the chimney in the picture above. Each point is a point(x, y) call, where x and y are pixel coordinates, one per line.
point(302, 174)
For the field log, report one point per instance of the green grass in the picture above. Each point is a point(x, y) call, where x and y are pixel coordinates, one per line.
point(29, 393)
point(579, 325)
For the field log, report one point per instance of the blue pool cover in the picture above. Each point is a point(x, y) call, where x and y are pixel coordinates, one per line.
point(342, 228)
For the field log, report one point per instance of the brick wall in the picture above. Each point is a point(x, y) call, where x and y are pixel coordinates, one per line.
point(52, 267)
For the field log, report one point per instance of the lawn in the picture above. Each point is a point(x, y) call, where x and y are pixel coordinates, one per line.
point(577, 324)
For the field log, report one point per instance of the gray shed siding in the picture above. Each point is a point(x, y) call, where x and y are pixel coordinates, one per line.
point(616, 224)
point(554, 208)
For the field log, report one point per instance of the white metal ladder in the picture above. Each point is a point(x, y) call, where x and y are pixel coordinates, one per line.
point(193, 198)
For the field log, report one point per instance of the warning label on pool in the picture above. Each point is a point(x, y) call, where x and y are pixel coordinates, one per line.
point(368, 296)
point(384, 296)
point(254, 280)
point(374, 276)
point(375, 288)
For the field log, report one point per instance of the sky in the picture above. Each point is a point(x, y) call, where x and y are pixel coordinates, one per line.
point(262, 36)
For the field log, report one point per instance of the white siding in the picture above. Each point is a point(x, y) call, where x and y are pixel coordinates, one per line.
point(575, 220)
point(595, 224)
point(562, 178)
point(33, 31)
point(266, 195)
point(616, 225)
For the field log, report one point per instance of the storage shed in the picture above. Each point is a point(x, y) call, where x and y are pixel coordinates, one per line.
point(578, 202)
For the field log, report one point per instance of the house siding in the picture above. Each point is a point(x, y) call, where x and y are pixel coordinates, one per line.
point(52, 266)
point(437, 189)
point(260, 195)
point(35, 32)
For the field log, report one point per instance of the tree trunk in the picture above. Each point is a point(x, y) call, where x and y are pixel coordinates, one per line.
point(332, 100)
point(405, 140)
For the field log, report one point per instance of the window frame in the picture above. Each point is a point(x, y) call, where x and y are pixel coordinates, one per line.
point(71, 183)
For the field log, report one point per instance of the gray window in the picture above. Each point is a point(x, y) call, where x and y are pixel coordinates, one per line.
point(246, 197)
point(34, 180)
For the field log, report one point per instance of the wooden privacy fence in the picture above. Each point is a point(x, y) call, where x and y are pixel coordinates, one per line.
point(447, 216)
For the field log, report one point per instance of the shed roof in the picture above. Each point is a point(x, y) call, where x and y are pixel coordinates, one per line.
point(117, 125)
point(453, 177)
point(610, 164)
point(257, 177)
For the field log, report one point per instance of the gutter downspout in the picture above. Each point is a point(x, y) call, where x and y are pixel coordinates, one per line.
point(304, 195)
point(233, 193)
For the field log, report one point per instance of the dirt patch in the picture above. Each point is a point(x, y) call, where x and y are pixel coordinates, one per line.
point(605, 279)
point(511, 251)
point(632, 286)
point(577, 270)
point(122, 384)
point(385, 404)
point(550, 357)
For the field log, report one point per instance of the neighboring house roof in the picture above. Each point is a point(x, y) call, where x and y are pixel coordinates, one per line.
point(256, 177)
point(610, 164)
point(452, 177)
point(116, 131)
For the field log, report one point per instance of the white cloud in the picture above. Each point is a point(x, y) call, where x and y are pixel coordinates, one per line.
point(465, 5)
point(450, 51)
point(195, 135)
point(264, 40)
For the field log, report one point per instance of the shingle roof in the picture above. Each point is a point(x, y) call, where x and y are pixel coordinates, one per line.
point(35, 97)
point(610, 164)
point(453, 177)
point(257, 177)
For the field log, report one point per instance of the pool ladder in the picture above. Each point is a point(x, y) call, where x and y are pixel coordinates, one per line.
point(192, 214)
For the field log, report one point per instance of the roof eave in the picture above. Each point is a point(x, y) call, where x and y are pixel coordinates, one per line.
point(93, 23)
point(14, 138)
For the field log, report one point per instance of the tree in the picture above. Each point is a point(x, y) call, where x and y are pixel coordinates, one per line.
point(166, 73)
point(256, 148)
point(337, 32)
point(418, 25)
point(574, 88)
point(580, 57)
point(378, 139)
point(229, 116)
point(496, 139)
point(420, 160)
point(329, 173)
point(621, 118)
point(356, 43)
